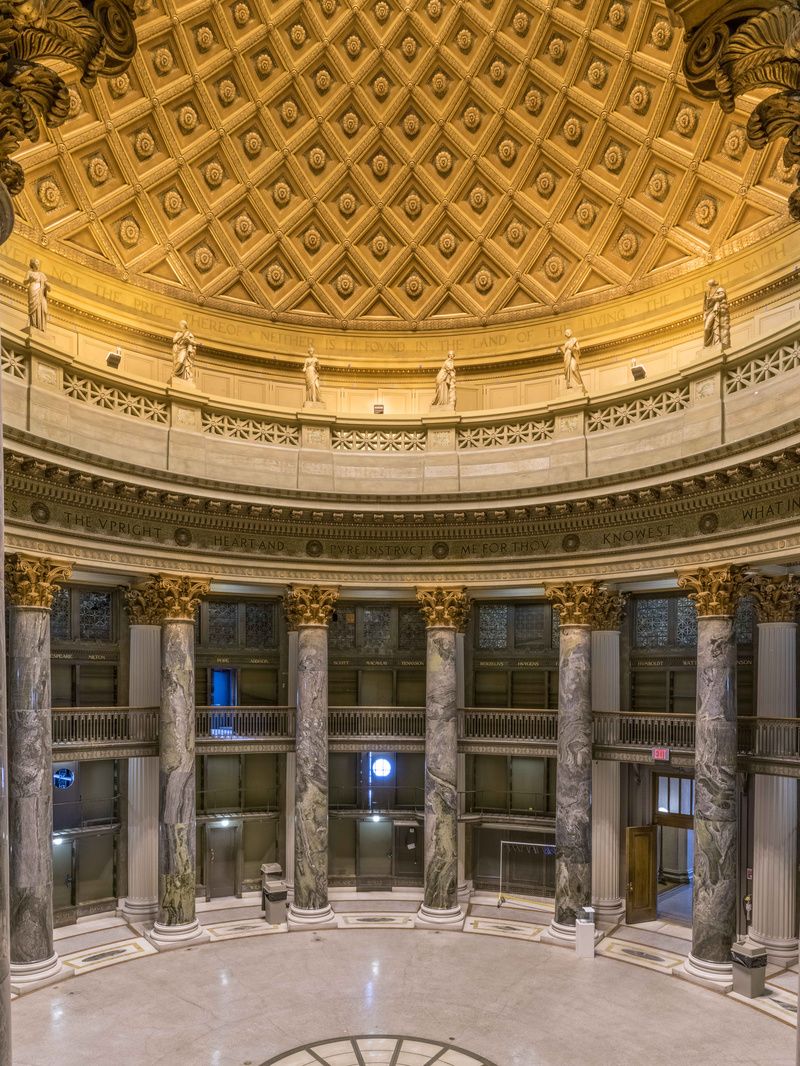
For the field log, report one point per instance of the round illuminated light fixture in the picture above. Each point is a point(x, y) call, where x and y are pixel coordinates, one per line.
point(382, 768)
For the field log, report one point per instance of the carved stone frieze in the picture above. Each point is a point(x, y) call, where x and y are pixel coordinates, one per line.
point(309, 605)
point(32, 582)
point(443, 607)
point(776, 598)
point(716, 591)
point(742, 45)
point(177, 597)
point(574, 601)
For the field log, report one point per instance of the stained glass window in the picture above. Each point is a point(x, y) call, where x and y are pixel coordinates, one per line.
point(686, 623)
point(743, 622)
point(530, 625)
point(222, 619)
point(61, 615)
point(259, 625)
point(94, 613)
point(651, 625)
point(342, 629)
point(377, 628)
point(492, 625)
point(411, 629)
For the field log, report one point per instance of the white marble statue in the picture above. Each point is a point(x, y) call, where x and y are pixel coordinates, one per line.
point(446, 383)
point(716, 317)
point(184, 350)
point(571, 350)
point(311, 375)
point(38, 290)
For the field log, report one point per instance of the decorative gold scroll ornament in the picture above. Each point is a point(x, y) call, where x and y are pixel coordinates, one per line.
point(607, 608)
point(776, 597)
point(96, 36)
point(444, 607)
point(575, 603)
point(738, 48)
point(716, 591)
point(144, 604)
point(33, 582)
point(178, 597)
point(309, 605)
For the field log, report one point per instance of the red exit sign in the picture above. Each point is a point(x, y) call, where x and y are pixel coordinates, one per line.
point(660, 754)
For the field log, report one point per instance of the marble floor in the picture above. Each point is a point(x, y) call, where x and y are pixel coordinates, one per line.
point(502, 998)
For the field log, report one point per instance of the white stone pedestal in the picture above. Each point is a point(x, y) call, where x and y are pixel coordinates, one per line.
point(322, 918)
point(27, 977)
point(432, 918)
point(166, 937)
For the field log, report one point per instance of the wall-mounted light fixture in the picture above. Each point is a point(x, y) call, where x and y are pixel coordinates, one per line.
point(638, 371)
point(113, 359)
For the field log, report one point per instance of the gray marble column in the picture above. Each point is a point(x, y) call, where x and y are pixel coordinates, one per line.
point(177, 921)
point(715, 593)
point(290, 778)
point(574, 771)
point(30, 586)
point(308, 610)
point(5, 925)
point(445, 611)
point(144, 690)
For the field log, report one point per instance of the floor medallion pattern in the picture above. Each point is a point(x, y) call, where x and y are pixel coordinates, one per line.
point(378, 1051)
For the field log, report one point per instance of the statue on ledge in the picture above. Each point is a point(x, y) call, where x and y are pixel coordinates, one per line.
point(446, 384)
point(311, 375)
point(571, 351)
point(38, 291)
point(184, 350)
point(716, 317)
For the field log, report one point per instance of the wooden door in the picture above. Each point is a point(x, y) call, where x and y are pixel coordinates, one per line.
point(641, 895)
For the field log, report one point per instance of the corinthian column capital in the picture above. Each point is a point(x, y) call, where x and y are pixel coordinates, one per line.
point(716, 591)
point(446, 608)
point(173, 599)
point(607, 608)
point(309, 605)
point(775, 597)
point(144, 605)
point(32, 582)
point(575, 603)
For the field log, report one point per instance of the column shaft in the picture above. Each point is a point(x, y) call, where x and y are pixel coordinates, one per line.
point(31, 793)
point(5, 927)
point(606, 783)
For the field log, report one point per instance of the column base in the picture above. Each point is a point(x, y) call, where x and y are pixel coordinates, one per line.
point(464, 892)
point(314, 918)
point(138, 910)
point(28, 976)
point(436, 918)
point(564, 935)
point(167, 937)
point(717, 975)
point(778, 950)
point(609, 911)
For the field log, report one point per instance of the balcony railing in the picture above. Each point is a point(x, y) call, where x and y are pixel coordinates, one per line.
point(244, 723)
point(366, 723)
point(770, 738)
point(109, 727)
point(644, 729)
point(503, 723)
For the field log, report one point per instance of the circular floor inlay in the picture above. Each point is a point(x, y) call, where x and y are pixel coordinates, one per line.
point(378, 1051)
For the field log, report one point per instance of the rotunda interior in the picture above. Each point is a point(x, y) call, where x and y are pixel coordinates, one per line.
point(401, 531)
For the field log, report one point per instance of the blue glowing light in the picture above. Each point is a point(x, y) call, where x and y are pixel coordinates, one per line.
point(381, 768)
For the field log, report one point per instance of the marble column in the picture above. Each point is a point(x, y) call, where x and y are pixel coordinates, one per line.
point(290, 777)
point(774, 922)
point(5, 928)
point(30, 587)
point(606, 622)
point(309, 610)
point(178, 599)
point(445, 611)
point(574, 772)
point(715, 593)
point(144, 690)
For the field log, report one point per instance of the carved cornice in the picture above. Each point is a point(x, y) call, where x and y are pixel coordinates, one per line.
point(177, 597)
point(309, 605)
point(32, 582)
point(97, 38)
point(575, 603)
point(144, 604)
point(607, 608)
point(447, 608)
point(716, 591)
point(744, 45)
point(776, 598)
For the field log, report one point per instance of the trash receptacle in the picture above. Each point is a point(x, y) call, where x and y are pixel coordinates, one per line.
point(749, 969)
point(585, 933)
point(275, 902)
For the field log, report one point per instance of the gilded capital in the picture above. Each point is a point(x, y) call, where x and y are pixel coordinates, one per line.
point(444, 607)
point(716, 591)
point(575, 603)
point(309, 605)
point(607, 608)
point(144, 604)
point(32, 582)
point(775, 597)
point(177, 597)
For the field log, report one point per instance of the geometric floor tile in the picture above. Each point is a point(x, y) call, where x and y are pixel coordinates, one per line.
point(375, 921)
point(499, 927)
point(649, 958)
point(377, 1051)
point(108, 955)
point(243, 927)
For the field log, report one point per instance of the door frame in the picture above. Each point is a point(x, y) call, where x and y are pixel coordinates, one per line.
point(652, 831)
point(386, 821)
point(238, 857)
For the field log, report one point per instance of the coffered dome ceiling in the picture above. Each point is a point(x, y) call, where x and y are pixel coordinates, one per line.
point(386, 163)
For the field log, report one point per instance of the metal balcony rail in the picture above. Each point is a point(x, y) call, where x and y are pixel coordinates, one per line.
point(365, 723)
point(79, 726)
point(769, 738)
point(376, 798)
point(243, 723)
point(644, 729)
point(504, 723)
point(508, 802)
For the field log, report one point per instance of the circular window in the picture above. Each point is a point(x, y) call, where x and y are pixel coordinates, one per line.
point(63, 777)
point(382, 768)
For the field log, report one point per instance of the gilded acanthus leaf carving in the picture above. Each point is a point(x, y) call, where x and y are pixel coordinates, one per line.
point(309, 605)
point(177, 597)
point(776, 598)
point(33, 582)
point(446, 607)
point(97, 38)
point(575, 602)
point(144, 604)
point(716, 591)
